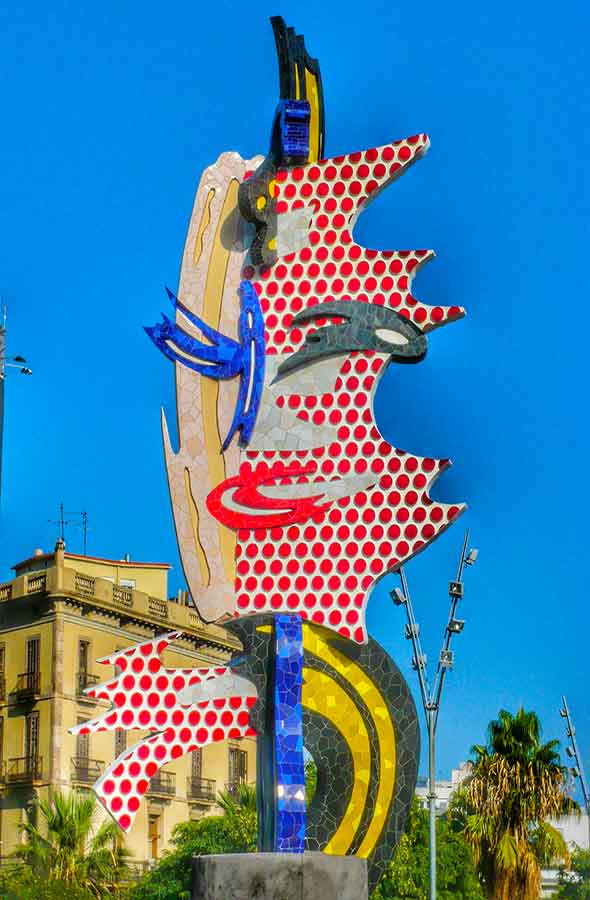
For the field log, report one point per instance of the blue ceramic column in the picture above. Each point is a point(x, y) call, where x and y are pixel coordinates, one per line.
point(288, 728)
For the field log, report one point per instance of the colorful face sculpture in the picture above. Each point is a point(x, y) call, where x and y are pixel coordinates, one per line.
point(288, 502)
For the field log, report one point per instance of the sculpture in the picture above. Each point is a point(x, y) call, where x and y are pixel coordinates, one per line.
point(288, 502)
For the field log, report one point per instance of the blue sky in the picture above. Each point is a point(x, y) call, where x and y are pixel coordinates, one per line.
point(112, 110)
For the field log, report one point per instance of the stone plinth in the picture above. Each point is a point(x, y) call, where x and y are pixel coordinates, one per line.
point(279, 876)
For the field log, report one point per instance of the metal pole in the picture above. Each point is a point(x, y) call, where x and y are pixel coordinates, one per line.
point(432, 801)
point(571, 733)
point(431, 698)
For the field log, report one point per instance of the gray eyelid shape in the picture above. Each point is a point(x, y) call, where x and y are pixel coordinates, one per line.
point(359, 331)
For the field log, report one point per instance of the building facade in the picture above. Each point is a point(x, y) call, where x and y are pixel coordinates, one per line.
point(58, 615)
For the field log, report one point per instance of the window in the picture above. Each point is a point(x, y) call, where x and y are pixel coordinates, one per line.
point(154, 836)
point(2, 671)
point(32, 736)
point(127, 583)
point(82, 744)
point(33, 655)
point(238, 766)
point(197, 764)
point(83, 657)
point(120, 743)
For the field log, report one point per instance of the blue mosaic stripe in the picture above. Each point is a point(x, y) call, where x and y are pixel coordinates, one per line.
point(290, 769)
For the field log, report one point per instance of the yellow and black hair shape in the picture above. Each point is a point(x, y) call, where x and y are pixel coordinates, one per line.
point(300, 81)
point(360, 726)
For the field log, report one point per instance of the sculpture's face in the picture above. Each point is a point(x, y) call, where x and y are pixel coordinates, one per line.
point(315, 505)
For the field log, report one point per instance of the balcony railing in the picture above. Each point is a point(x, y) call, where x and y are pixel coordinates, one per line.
point(85, 584)
point(86, 771)
point(85, 680)
point(163, 784)
point(201, 789)
point(36, 583)
point(2, 687)
point(158, 607)
point(28, 685)
point(24, 769)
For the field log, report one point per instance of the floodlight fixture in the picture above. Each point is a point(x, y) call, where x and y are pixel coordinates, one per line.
point(471, 557)
point(575, 772)
point(563, 713)
point(419, 662)
point(398, 596)
point(446, 659)
point(456, 589)
point(412, 631)
point(26, 371)
point(456, 626)
point(570, 752)
point(19, 359)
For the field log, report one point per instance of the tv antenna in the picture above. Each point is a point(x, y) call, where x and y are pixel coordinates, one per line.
point(81, 522)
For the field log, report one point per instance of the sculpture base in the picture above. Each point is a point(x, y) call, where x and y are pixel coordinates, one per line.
point(279, 876)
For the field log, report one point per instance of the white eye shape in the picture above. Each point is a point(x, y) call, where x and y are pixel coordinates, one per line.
point(391, 337)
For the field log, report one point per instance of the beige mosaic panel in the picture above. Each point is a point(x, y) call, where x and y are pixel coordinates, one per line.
point(210, 275)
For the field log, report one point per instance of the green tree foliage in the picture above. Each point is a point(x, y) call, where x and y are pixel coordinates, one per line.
point(311, 780)
point(407, 876)
point(575, 883)
point(517, 784)
point(67, 857)
point(233, 832)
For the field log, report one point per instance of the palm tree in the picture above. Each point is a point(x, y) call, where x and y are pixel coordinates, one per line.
point(240, 817)
point(68, 848)
point(517, 783)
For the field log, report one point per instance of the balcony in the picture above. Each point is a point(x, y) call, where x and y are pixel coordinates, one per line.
point(201, 789)
point(163, 784)
point(24, 770)
point(28, 686)
point(85, 680)
point(86, 771)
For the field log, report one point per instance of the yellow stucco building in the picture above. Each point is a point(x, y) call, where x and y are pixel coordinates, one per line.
point(58, 615)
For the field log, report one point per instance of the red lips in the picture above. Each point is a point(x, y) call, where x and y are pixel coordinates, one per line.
point(253, 506)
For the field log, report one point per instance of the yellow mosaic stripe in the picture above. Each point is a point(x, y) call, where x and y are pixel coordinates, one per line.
point(212, 298)
point(322, 695)
point(311, 87)
point(314, 642)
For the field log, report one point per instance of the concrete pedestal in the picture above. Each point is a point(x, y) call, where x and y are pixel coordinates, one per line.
point(279, 876)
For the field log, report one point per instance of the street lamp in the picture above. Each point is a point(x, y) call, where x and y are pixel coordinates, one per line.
point(7, 362)
point(431, 698)
point(573, 752)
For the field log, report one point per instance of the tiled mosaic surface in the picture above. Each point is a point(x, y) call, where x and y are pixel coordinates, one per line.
point(335, 768)
point(290, 773)
point(182, 709)
point(360, 725)
point(319, 505)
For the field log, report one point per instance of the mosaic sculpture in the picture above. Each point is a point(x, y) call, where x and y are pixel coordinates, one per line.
point(288, 502)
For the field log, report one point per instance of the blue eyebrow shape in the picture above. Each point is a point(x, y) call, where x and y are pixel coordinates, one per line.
point(222, 357)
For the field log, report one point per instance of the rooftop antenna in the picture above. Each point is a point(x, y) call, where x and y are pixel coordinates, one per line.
point(62, 521)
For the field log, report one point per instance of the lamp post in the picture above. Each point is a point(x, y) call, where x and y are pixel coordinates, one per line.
point(431, 697)
point(573, 752)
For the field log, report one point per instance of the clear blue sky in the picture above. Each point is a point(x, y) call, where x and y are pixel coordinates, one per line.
point(110, 113)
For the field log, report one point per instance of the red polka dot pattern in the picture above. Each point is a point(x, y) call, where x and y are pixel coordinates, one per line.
point(324, 567)
point(332, 266)
point(145, 696)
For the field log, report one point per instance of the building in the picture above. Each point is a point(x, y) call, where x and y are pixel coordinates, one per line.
point(58, 615)
point(444, 789)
